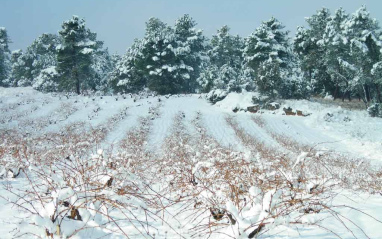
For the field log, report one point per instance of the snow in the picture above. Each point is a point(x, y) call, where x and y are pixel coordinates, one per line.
point(329, 127)
point(237, 100)
point(86, 50)
point(300, 158)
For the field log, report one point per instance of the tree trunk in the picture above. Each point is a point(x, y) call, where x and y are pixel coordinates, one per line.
point(365, 98)
point(78, 90)
point(379, 98)
point(367, 92)
point(335, 92)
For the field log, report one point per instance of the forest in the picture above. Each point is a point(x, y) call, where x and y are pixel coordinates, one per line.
point(337, 55)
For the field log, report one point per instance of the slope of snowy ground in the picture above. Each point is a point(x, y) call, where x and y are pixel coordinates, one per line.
point(328, 128)
point(350, 131)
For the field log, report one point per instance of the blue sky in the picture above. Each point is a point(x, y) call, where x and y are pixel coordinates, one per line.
point(118, 22)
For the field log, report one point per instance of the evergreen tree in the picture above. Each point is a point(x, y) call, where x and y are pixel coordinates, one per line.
point(102, 66)
point(128, 75)
point(190, 53)
point(5, 64)
point(167, 60)
point(377, 74)
point(337, 55)
point(268, 78)
point(225, 69)
point(75, 56)
point(209, 78)
point(226, 48)
point(158, 59)
point(294, 85)
point(364, 34)
point(21, 68)
point(268, 54)
point(40, 55)
point(18, 69)
point(310, 48)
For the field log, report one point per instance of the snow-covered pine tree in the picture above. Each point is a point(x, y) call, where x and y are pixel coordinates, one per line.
point(167, 60)
point(225, 69)
point(310, 48)
point(21, 68)
point(365, 46)
point(102, 66)
point(267, 53)
point(268, 78)
point(337, 49)
point(18, 70)
point(75, 56)
point(377, 79)
point(44, 51)
point(208, 78)
point(5, 61)
point(190, 53)
point(127, 75)
point(294, 85)
point(40, 55)
point(226, 48)
point(158, 59)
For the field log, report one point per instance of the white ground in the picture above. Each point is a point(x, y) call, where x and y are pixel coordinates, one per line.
point(357, 135)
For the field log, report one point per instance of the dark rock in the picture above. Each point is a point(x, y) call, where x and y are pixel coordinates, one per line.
point(272, 106)
point(289, 111)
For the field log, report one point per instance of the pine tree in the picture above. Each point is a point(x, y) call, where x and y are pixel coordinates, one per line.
point(167, 60)
point(377, 75)
point(209, 79)
point(268, 78)
point(190, 53)
point(268, 54)
point(75, 56)
point(226, 48)
point(337, 55)
point(127, 75)
point(364, 34)
point(22, 64)
point(18, 68)
point(225, 69)
point(310, 48)
point(102, 67)
point(40, 55)
point(158, 60)
point(5, 64)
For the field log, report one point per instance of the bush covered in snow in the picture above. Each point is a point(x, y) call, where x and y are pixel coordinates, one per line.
point(216, 95)
point(47, 80)
point(375, 110)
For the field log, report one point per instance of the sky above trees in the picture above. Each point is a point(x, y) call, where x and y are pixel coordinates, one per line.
point(117, 22)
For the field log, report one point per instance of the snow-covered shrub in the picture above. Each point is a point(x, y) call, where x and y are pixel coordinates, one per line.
point(14, 153)
point(216, 95)
point(375, 110)
point(79, 194)
point(47, 80)
point(244, 195)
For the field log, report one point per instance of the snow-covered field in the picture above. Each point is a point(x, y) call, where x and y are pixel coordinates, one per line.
point(168, 123)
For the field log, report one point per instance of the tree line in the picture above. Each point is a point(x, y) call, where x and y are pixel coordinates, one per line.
point(337, 54)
